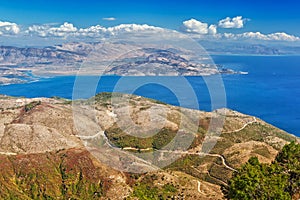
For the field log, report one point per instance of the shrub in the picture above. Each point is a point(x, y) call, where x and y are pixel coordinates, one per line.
point(279, 180)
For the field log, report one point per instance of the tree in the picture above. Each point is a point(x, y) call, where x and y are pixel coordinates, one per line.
point(279, 180)
point(289, 160)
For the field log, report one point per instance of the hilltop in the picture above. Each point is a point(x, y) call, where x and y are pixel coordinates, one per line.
point(48, 152)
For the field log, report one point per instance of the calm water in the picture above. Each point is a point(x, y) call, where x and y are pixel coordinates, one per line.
point(270, 91)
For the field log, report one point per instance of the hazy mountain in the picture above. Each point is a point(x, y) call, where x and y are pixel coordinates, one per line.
point(19, 64)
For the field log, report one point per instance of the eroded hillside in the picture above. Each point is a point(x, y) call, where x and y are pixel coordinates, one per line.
point(58, 149)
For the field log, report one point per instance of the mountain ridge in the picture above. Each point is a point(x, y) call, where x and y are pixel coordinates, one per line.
point(53, 150)
point(24, 64)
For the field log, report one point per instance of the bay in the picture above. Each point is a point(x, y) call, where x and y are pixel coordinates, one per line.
point(270, 90)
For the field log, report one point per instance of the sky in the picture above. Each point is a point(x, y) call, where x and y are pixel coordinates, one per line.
point(239, 17)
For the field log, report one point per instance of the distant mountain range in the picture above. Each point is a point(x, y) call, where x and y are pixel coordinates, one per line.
point(255, 49)
point(32, 56)
point(238, 48)
point(18, 64)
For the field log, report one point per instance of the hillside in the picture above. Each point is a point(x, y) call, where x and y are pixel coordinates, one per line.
point(58, 149)
point(24, 64)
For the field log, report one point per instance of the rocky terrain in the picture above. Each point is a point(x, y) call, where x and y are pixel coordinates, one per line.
point(19, 65)
point(154, 62)
point(57, 149)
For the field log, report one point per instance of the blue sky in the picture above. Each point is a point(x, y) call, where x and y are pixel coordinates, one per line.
point(242, 20)
point(266, 16)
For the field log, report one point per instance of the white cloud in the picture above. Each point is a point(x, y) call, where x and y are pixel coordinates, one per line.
point(62, 30)
point(40, 30)
point(236, 22)
point(253, 35)
point(47, 30)
point(100, 31)
point(195, 26)
point(283, 36)
point(109, 18)
point(8, 28)
point(92, 31)
point(261, 36)
point(130, 28)
point(69, 30)
point(212, 29)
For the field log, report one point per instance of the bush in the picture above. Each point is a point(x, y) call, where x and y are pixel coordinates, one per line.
point(31, 105)
point(279, 180)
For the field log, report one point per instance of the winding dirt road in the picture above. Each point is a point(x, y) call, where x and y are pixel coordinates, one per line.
point(244, 126)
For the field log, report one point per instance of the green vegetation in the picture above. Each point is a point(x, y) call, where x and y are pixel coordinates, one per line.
point(289, 161)
point(106, 97)
point(258, 132)
point(122, 140)
point(50, 177)
point(279, 180)
point(31, 105)
point(146, 191)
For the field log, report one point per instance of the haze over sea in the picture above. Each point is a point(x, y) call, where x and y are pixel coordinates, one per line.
point(271, 90)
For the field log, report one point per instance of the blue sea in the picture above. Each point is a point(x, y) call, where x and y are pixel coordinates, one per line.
point(270, 90)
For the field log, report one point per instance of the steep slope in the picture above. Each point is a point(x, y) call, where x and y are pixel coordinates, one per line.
point(43, 154)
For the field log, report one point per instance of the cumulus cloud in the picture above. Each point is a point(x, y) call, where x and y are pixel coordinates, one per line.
point(199, 30)
point(109, 18)
point(204, 31)
point(69, 30)
point(283, 36)
point(130, 28)
point(8, 28)
point(92, 31)
point(212, 29)
point(195, 26)
point(260, 36)
point(236, 22)
point(196, 29)
point(48, 30)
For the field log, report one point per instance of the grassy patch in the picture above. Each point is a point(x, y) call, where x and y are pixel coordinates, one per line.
point(264, 151)
point(146, 191)
point(31, 105)
point(119, 138)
